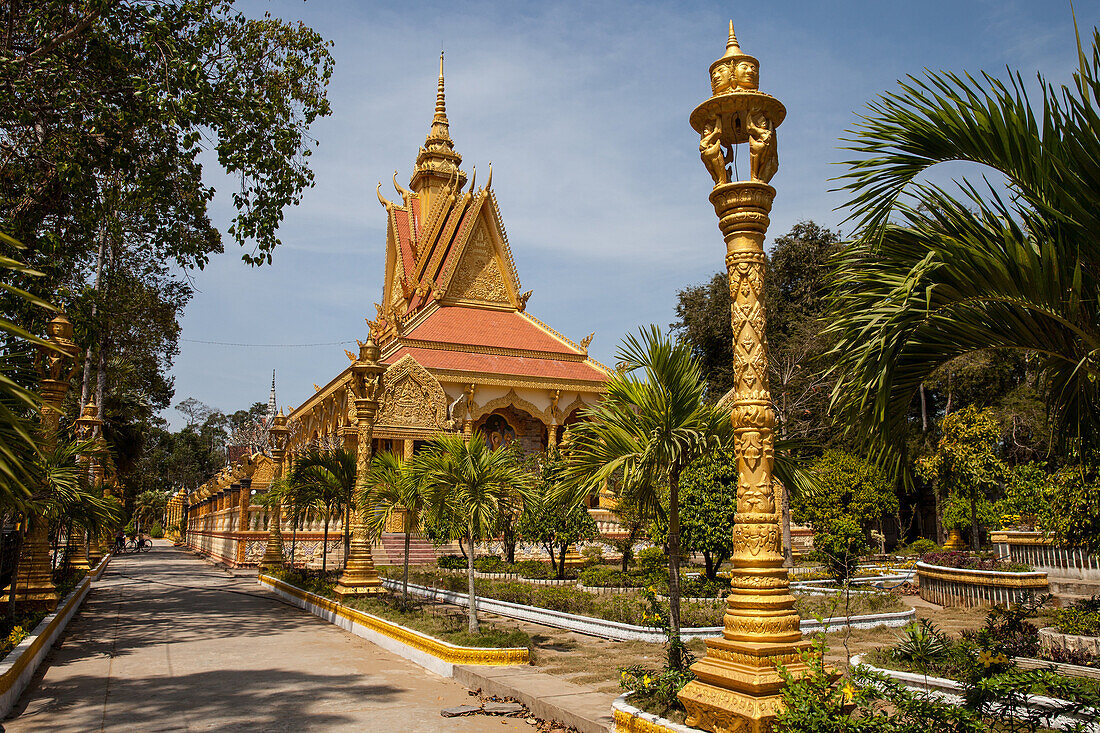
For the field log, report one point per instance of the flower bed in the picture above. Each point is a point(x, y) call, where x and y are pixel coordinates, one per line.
point(948, 586)
point(968, 561)
point(429, 652)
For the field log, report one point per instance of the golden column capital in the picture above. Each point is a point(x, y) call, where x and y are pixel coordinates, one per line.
point(737, 685)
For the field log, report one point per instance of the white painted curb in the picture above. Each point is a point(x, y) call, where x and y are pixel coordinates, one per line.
point(617, 631)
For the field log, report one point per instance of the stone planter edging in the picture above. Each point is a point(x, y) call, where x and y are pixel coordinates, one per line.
point(617, 631)
point(430, 653)
point(966, 587)
point(629, 719)
point(18, 668)
point(1050, 636)
point(951, 691)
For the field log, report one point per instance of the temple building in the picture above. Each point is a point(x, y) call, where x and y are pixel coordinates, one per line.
point(462, 352)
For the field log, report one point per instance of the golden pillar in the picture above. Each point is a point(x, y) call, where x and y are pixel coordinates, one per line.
point(56, 365)
point(88, 427)
point(273, 552)
point(360, 577)
point(737, 686)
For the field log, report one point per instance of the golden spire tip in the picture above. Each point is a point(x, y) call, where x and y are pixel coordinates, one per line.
point(440, 96)
point(731, 43)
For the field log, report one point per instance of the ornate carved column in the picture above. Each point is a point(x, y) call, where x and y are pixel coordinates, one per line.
point(34, 586)
point(737, 686)
point(88, 427)
point(273, 553)
point(359, 576)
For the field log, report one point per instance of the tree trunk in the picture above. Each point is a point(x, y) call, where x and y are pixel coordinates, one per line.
point(324, 548)
point(940, 538)
point(674, 568)
point(347, 529)
point(293, 539)
point(470, 582)
point(405, 573)
point(562, 549)
point(975, 535)
point(553, 563)
point(923, 410)
point(788, 549)
point(708, 562)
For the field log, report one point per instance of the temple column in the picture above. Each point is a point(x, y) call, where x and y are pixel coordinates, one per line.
point(359, 576)
point(737, 685)
point(273, 553)
point(33, 586)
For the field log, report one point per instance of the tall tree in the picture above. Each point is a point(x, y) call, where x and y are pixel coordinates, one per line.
point(469, 484)
point(645, 433)
point(936, 274)
point(330, 476)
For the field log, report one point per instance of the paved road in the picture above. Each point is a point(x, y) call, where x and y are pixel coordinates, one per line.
point(165, 642)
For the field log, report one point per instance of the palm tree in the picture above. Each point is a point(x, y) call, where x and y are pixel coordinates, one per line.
point(390, 487)
point(473, 484)
point(644, 433)
point(329, 476)
point(937, 273)
point(149, 508)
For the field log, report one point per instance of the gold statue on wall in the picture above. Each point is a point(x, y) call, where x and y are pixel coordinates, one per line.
point(711, 153)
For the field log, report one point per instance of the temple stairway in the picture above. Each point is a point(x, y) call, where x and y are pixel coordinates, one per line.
point(391, 550)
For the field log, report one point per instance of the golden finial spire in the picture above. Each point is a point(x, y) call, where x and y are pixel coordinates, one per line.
point(440, 96)
point(731, 45)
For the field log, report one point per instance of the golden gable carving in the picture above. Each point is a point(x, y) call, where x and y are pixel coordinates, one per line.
point(479, 276)
point(411, 397)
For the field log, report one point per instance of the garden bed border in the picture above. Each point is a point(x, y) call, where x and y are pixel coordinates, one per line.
point(969, 587)
point(951, 691)
point(629, 719)
point(617, 631)
point(18, 668)
point(427, 651)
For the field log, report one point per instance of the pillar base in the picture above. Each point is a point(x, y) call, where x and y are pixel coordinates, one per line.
point(343, 591)
point(738, 687)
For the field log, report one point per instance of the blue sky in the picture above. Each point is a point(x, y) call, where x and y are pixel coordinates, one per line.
point(582, 109)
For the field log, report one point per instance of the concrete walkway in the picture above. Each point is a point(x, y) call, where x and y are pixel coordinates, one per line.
point(165, 642)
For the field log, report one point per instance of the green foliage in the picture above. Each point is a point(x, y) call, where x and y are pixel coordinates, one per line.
point(655, 690)
point(451, 562)
point(922, 645)
point(921, 546)
point(965, 468)
point(651, 561)
point(535, 569)
point(1082, 618)
point(489, 564)
point(324, 480)
point(592, 554)
point(157, 531)
point(938, 273)
point(470, 485)
point(1023, 499)
point(867, 702)
point(604, 577)
point(1073, 505)
point(552, 518)
point(708, 503)
point(850, 495)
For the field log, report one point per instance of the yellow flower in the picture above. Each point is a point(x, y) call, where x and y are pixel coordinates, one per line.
point(986, 658)
point(848, 691)
point(647, 681)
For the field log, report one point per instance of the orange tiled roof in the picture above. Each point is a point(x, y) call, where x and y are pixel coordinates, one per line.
point(520, 366)
point(483, 327)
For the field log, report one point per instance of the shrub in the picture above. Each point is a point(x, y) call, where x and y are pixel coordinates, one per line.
point(922, 646)
point(922, 546)
point(839, 544)
point(592, 554)
point(489, 564)
point(605, 577)
point(620, 607)
point(563, 598)
point(655, 690)
point(451, 562)
point(1082, 618)
point(157, 531)
point(511, 591)
point(651, 561)
point(535, 569)
point(970, 561)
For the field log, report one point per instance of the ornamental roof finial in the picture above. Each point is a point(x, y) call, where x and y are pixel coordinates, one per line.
point(732, 47)
point(441, 97)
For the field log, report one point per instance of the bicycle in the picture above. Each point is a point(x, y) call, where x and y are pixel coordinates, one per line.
point(138, 544)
